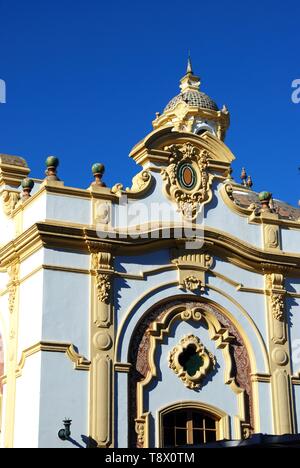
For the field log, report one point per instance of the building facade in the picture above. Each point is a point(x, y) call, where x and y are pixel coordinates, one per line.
point(161, 315)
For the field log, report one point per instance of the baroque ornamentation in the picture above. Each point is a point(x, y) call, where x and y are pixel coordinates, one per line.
point(191, 283)
point(191, 361)
point(10, 200)
point(103, 285)
point(140, 182)
point(188, 200)
point(12, 286)
point(277, 304)
point(140, 428)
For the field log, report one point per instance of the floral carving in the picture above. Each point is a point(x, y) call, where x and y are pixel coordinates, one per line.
point(140, 431)
point(103, 286)
point(191, 283)
point(10, 200)
point(204, 361)
point(12, 286)
point(277, 304)
point(188, 201)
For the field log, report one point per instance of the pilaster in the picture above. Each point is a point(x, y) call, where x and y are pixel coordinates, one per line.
point(102, 349)
point(11, 363)
point(280, 356)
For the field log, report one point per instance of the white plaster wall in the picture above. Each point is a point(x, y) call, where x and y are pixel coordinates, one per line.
point(68, 209)
point(135, 265)
point(296, 389)
point(121, 410)
point(253, 303)
point(218, 215)
point(7, 231)
point(265, 407)
point(64, 393)
point(27, 410)
point(292, 310)
point(62, 258)
point(66, 308)
point(30, 312)
point(34, 212)
point(31, 263)
point(290, 239)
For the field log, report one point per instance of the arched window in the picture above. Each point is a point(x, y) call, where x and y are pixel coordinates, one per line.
point(188, 427)
point(203, 130)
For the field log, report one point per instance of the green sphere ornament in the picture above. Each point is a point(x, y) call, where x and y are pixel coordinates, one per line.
point(52, 161)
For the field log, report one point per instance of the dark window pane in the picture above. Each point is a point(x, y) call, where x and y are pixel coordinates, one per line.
point(181, 418)
point(211, 436)
point(190, 360)
point(198, 437)
point(169, 419)
point(181, 437)
point(210, 423)
point(198, 420)
point(169, 437)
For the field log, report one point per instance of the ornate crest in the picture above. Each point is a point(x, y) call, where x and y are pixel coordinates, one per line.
point(191, 361)
point(187, 180)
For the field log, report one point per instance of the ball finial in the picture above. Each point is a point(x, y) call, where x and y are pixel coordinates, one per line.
point(98, 170)
point(27, 185)
point(52, 163)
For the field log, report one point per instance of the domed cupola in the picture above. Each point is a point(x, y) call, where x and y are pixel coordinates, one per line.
point(192, 110)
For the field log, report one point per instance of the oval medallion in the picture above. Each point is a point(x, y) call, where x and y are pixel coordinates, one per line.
point(187, 176)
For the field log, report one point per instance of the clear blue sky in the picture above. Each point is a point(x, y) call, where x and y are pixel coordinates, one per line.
point(85, 78)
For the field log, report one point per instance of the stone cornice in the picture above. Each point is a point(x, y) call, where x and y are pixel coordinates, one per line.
point(81, 238)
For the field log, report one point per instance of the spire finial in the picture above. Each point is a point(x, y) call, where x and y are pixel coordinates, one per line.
point(189, 68)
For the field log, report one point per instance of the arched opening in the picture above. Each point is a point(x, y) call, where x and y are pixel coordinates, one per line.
point(188, 427)
point(192, 424)
point(201, 131)
point(150, 331)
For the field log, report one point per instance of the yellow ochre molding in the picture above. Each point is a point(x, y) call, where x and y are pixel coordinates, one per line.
point(79, 361)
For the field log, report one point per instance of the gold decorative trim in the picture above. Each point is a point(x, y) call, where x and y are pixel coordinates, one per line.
point(141, 183)
point(271, 236)
point(280, 359)
point(207, 359)
point(189, 202)
point(11, 351)
point(192, 283)
point(79, 361)
point(10, 200)
point(217, 333)
point(265, 378)
point(60, 235)
point(223, 424)
point(122, 367)
point(102, 339)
